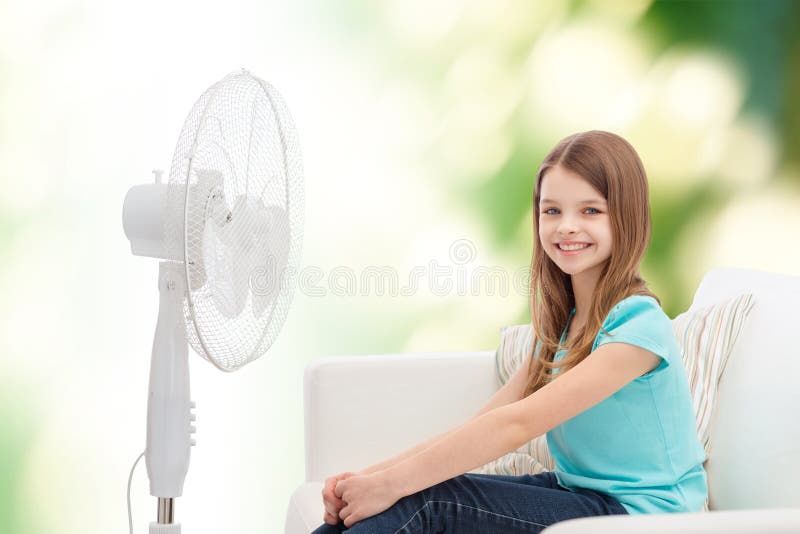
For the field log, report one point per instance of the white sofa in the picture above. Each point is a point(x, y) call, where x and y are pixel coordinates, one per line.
point(360, 410)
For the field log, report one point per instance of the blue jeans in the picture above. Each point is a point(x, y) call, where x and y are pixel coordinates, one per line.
point(484, 504)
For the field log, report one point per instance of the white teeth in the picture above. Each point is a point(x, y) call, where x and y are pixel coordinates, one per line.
point(571, 247)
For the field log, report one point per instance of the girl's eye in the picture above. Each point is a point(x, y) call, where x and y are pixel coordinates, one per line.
point(548, 209)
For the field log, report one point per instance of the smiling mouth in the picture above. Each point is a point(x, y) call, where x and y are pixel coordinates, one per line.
point(575, 251)
point(583, 246)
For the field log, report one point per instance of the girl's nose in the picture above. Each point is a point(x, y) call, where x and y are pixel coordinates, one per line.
point(567, 226)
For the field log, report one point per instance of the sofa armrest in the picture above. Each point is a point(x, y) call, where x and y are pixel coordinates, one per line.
point(361, 410)
point(755, 521)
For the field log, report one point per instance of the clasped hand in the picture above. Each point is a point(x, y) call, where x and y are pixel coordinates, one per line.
point(352, 497)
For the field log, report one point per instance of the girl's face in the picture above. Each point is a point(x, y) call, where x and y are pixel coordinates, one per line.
point(564, 215)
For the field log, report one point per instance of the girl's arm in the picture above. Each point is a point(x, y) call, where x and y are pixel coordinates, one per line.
point(510, 392)
point(400, 457)
point(505, 429)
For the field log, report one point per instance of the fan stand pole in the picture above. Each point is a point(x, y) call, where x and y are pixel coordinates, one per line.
point(165, 507)
point(169, 414)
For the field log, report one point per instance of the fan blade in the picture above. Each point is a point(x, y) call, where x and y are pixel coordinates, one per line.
point(222, 273)
point(270, 256)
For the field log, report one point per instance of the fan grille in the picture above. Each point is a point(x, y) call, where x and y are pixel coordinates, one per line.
point(238, 149)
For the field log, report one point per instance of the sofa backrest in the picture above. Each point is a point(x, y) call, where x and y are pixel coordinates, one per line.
point(755, 431)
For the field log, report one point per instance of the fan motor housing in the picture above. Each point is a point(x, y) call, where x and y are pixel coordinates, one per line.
point(143, 220)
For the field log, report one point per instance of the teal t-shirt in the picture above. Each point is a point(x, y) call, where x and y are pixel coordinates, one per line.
point(639, 445)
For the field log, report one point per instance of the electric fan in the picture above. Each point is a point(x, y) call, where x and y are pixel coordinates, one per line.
point(228, 227)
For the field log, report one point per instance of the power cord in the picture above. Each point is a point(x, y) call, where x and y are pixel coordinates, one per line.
point(130, 477)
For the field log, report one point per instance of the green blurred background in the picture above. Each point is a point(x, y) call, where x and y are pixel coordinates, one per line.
point(422, 125)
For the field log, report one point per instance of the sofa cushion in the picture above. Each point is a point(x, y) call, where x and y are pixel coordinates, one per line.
point(306, 510)
point(755, 460)
point(706, 338)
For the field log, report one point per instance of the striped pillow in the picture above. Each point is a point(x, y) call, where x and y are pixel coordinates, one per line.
point(705, 338)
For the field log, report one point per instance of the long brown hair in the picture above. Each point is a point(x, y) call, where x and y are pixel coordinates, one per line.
point(611, 165)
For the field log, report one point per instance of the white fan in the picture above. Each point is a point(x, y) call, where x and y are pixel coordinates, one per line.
point(228, 226)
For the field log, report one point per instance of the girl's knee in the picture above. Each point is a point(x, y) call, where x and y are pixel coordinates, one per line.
point(446, 490)
point(408, 514)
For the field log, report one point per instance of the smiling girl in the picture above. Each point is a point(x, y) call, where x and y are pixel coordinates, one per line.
point(604, 381)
